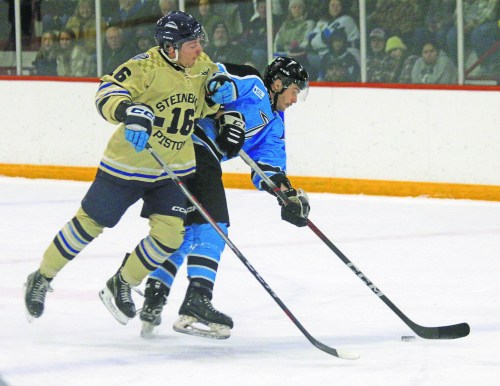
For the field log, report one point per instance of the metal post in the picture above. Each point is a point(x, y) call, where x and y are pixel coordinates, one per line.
point(269, 26)
point(98, 36)
point(17, 29)
point(460, 42)
point(363, 39)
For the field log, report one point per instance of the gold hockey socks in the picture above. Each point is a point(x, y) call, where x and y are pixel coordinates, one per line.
point(165, 238)
point(71, 240)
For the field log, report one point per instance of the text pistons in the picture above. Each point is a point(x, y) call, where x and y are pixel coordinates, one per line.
point(167, 142)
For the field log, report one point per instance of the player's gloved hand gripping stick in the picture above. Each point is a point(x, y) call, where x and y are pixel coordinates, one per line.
point(138, 125)
point(231, 126)
point(332, 351)
point(441, 332)
point(294, 203)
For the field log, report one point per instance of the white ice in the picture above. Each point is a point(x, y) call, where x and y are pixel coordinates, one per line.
point(437, 260)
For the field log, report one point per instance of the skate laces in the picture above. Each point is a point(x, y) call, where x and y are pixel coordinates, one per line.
point(40, 289)
point(205, 300)
point(123, 291)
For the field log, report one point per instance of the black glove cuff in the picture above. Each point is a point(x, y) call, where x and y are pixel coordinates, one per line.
point(120, 112)
point(121, 109)
point(278, 179)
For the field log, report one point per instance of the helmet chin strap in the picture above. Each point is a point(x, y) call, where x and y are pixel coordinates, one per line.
point(175, 60)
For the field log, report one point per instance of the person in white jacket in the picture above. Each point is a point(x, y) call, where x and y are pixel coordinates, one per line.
point(335, 18)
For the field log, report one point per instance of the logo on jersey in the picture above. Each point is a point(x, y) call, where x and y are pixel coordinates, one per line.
point(257, 91)
point(256, 129)
point(140, 56)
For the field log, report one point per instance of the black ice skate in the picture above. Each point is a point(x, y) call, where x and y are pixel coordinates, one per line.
point(117, 298)
point(36, 288)
point(197, 308)
point(155, 297)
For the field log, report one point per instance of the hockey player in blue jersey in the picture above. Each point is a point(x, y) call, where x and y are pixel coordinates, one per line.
point(253, 123)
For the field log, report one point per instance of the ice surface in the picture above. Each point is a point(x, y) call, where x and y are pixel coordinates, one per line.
point(437, 260)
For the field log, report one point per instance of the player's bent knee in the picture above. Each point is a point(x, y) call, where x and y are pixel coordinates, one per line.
point(88, 224)
point(167, 230)
point(205, 238)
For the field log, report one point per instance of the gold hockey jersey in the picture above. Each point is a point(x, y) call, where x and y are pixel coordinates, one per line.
point(177, 98)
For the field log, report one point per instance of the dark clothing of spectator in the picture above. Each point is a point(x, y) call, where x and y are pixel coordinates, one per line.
point(380, 68)
point(45, 65)
point(113, 58)
point(346, 60)
point(132, 20)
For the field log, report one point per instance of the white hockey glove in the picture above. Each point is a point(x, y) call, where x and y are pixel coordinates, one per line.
point(231, 136)
point(221, 88)
point(297, 209)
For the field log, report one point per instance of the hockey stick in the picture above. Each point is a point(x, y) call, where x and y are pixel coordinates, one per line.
point(441, 332)
point(344, 354)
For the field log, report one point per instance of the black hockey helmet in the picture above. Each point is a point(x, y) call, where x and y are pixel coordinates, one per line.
point(288, 70)
point(178, 27)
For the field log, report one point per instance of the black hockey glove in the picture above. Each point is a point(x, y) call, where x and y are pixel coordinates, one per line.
point(297, 209)
point(231, 125)
point(279, 179)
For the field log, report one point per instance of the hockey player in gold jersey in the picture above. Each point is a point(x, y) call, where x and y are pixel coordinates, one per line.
point(155, 98)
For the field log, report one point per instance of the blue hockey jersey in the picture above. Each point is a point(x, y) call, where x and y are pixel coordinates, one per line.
point(264, 138)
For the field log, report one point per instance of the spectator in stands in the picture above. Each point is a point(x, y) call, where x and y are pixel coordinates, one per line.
point(336, 17)
point(401, 61)
point(254, 39)
point(316, 9)
point(246, 8)
point(434, 66)
point(206, 16)
point(55, 14)
point(221, 49)
point(72, 59)
point(399, 17)
point(229, 11)
point(115, 51)
point(379, 66)
point(83, 25)
point(145, 21)
point(144, 43)
point(480, 31)
point(439, 17)
point(130, 15)
point(294, 30)
point(335, 71)
point(45, 60)
point(339, 53)
point(166, 6)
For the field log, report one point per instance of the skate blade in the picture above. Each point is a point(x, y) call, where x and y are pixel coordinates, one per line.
point(30, 318)
point(192, 326)
point(107, 299)
point(147, 330)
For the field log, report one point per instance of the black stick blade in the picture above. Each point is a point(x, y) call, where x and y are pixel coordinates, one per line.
point(454, 331)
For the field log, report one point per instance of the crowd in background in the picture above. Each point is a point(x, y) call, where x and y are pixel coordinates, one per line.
point(409, 41)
